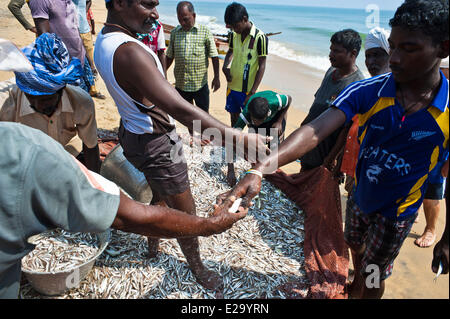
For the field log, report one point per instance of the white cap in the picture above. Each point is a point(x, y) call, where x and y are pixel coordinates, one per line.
point(378, 38)
point(444, 63)
point(12, 59)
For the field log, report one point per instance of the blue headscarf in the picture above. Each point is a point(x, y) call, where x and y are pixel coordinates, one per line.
point(52, 67)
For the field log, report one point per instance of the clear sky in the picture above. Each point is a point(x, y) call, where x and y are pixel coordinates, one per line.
point(360, 4)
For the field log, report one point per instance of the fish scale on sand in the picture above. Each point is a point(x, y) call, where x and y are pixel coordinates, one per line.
point(254, 257)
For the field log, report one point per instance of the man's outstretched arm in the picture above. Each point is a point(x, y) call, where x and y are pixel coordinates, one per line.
point(297, 144)
point(136, 72)
point(166, 222)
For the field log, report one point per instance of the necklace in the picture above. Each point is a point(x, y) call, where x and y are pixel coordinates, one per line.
point(119, 27)
point(410, 107)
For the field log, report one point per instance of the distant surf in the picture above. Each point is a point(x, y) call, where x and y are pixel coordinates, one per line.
point(306, 31)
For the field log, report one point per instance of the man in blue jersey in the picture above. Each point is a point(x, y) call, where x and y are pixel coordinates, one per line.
point(403, 132)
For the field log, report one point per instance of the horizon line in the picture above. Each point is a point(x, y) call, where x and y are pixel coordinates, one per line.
point(299, 5)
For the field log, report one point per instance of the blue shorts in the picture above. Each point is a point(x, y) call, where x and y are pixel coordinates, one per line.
point(235, 101)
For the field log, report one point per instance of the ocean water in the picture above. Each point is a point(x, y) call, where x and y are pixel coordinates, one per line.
point(306, 31)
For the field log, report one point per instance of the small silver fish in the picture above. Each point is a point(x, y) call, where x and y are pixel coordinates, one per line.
point(439, 272)
point(235, 207)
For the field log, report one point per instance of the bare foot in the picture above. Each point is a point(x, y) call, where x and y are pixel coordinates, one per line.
point(426, 240)
point(208, 279)
point(153, 247)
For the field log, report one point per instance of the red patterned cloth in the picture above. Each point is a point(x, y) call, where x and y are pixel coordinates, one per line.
point(316, 192)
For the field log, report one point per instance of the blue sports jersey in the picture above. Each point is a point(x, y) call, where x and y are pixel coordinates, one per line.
point(397, 152)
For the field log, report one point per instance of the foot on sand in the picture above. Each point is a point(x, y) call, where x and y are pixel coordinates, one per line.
point(426, 240)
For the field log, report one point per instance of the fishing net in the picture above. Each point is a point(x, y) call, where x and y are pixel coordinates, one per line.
point(316, 192)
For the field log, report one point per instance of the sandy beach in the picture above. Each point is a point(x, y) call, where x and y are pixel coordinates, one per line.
point(412, 276)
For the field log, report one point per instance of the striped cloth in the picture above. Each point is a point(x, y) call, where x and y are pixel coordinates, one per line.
point(52, 67)
point(191, 50)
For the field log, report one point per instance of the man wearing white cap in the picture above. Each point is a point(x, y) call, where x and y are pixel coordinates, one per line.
point(377, 51)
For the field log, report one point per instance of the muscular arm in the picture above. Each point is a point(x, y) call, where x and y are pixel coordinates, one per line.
point(298, 143)
point(165, 222)
point(15, 6)
point(136, 72)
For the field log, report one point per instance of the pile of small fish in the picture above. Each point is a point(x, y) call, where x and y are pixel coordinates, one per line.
point(59, 250)
point(257, 255)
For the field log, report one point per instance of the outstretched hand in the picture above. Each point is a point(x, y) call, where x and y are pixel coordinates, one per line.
point(223, 218)
point(247, 188)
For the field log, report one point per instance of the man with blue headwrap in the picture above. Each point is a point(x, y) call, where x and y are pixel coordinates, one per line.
point(48, 98)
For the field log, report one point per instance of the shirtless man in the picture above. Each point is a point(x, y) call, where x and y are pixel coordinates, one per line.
point(145, 100)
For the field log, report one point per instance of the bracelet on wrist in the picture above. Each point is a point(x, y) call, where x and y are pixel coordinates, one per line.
point(254, 172)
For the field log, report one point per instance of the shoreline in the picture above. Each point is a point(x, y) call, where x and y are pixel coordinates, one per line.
point(412, 276)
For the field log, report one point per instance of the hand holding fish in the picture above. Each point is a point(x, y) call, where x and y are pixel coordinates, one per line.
point(247, 188)
point(440, 256)
point(226, 214)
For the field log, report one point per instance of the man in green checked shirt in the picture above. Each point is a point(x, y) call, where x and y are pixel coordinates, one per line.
point(190, 46)
point(265, 111)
